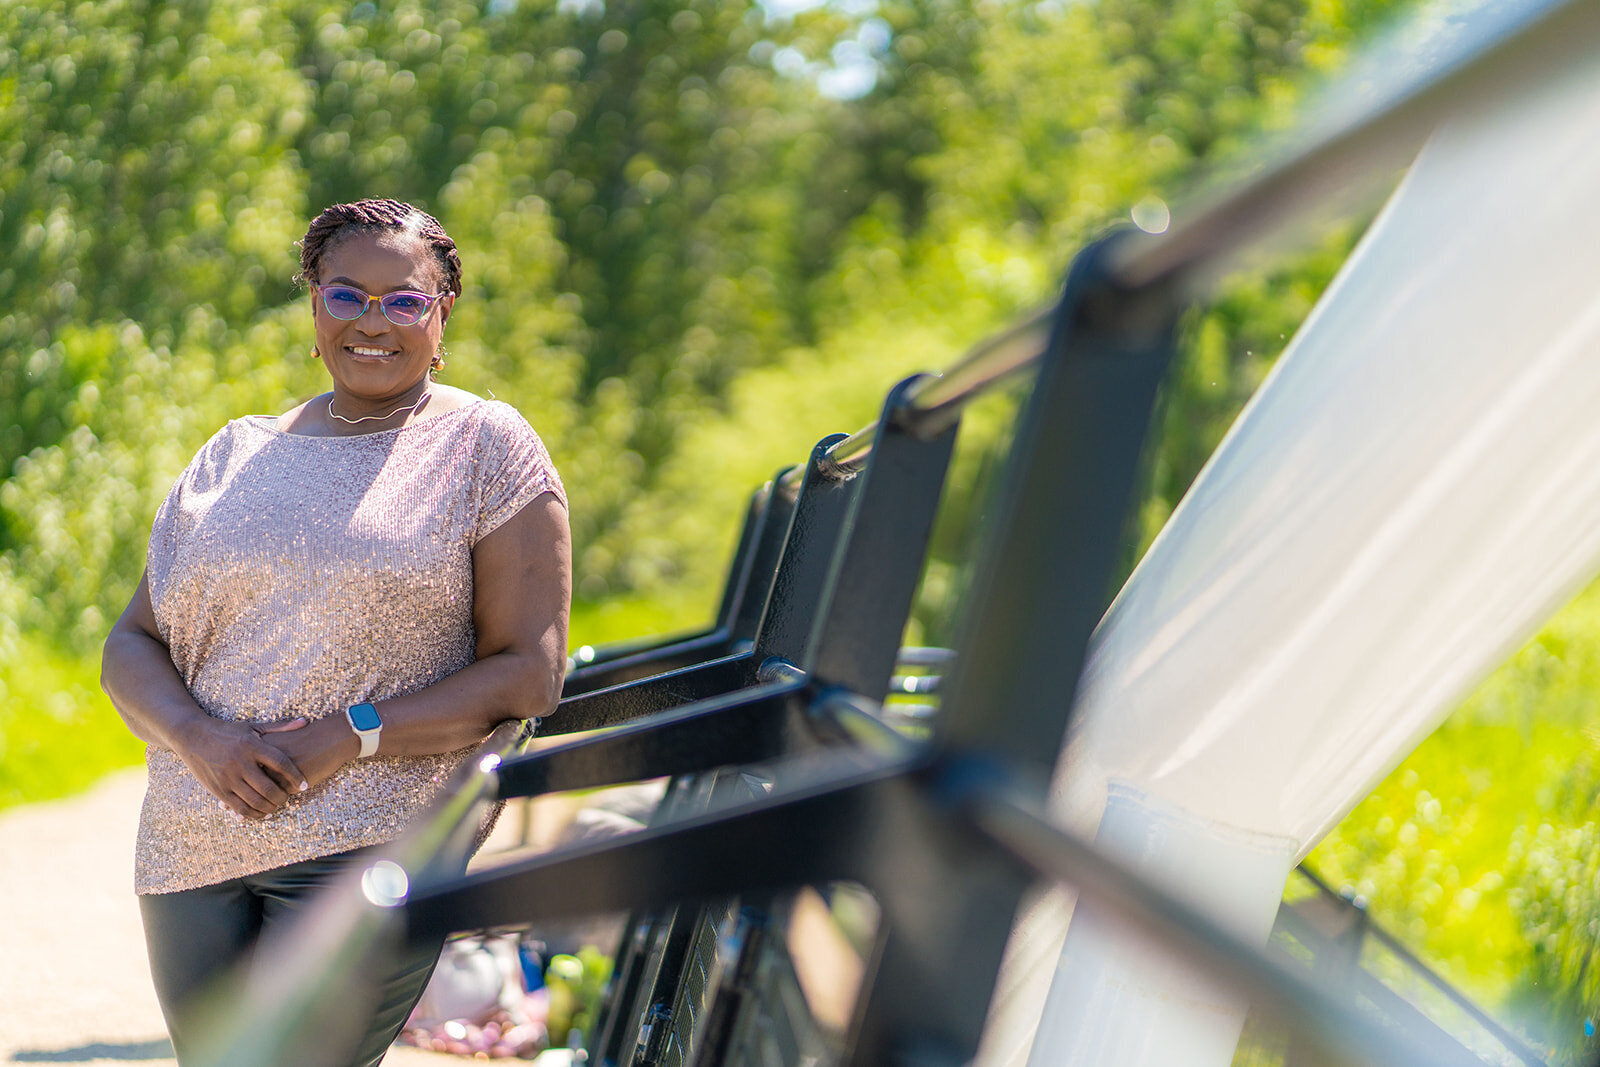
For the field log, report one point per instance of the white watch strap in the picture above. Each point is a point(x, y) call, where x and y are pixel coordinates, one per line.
point(369, 737)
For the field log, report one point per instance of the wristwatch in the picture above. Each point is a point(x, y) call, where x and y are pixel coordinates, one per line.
point(365, 722)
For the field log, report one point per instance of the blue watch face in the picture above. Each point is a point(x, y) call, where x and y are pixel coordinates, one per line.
point(365, 717)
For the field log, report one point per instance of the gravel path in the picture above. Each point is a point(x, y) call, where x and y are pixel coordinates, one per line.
point(74, 981)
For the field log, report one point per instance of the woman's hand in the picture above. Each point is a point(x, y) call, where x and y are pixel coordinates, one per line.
point(320, 747)
point(245, 767)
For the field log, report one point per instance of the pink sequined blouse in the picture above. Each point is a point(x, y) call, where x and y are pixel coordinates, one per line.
point(297, 575)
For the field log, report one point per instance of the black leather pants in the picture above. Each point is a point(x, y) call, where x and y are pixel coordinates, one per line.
point(197, 935)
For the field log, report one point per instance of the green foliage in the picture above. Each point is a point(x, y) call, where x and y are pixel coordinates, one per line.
point(1479, 850)
point(577, 985)
point(58, 734)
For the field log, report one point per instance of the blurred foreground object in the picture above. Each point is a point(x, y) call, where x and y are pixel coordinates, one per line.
point(1410, 494)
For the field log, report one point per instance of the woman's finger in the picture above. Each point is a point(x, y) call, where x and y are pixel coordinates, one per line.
point(276, 763)
point(259, 793)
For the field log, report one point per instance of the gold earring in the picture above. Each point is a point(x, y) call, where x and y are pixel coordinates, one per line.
point(316, 353)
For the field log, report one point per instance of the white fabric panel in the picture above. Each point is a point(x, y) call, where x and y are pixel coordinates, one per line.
point(1108, 989)
point(1413, 491)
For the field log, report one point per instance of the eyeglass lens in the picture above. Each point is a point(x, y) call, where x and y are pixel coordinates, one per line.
point(347, 302)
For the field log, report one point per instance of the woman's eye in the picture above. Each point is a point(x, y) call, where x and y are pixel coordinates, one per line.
point(405, 303)
point(345, 298)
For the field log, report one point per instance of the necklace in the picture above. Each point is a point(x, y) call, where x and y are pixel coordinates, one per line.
point(368, 418)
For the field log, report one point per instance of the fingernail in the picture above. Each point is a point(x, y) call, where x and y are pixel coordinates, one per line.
point(221, 806)
point(304, 786)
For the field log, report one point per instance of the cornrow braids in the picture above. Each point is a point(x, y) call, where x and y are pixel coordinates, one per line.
point(365, 216)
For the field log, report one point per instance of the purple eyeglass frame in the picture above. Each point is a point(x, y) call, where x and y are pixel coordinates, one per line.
point(428, 301)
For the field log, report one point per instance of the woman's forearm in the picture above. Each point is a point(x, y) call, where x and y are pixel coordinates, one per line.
point(459, 710)
point(466, 706)
point(137, 673)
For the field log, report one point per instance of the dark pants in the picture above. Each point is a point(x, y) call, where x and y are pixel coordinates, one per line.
point(197, 935)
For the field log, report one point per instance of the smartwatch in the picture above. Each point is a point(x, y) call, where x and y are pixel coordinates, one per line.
point(365, 722)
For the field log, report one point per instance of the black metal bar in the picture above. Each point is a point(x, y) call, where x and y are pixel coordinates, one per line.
point(634, 700)
point(808, 832)
point(916, 684)
point(746, 726)
point(627, 976)
point(631, 661)
point(593, 669)
point(777, 519)
point(854, 639)
point(1335, 1023)
point(815, 535)
point(735, 991)
point(1047, 563)
point(1043, 579)
point(1342, 973)
point(850, 719)
point(678, 653)
point(921, 656)
point(744, 556)
point(1513, 1043)
point(1408, 1017)
point(640, 958)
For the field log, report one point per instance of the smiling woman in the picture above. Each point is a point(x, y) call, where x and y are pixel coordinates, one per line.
point(339, 604)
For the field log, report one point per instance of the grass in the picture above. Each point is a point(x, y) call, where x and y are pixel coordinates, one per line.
point(58, 732)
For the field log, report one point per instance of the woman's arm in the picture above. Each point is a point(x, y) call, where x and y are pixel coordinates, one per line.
point(232, 760)
point(522, 585)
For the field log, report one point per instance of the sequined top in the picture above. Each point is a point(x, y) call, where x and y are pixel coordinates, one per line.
point(297, 575)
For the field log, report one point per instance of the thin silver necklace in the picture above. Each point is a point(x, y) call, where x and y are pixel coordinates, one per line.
point(368, 418)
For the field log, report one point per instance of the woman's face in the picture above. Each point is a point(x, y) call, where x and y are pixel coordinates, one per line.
point(371, 358)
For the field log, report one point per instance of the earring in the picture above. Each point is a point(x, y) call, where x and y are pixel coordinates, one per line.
point(316, 353)
point(437, 362)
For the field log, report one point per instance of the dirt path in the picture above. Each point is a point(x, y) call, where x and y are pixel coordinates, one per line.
point(74, 982)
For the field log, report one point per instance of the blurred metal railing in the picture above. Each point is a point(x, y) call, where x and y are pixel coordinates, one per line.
point(1335, 928)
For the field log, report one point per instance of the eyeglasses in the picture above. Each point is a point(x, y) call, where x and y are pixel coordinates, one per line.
point(403, 307)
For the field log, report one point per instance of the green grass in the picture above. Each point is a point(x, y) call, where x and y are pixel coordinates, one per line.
point(58, 732)
point(628, 618)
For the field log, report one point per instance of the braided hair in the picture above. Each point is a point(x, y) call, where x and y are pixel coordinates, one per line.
point(367, 216)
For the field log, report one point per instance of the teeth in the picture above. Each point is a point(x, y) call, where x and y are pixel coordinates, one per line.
point(370, 351)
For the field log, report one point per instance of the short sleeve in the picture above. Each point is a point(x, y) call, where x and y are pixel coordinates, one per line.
point(513, 468)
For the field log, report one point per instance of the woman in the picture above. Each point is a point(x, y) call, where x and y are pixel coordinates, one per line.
point(338, 604)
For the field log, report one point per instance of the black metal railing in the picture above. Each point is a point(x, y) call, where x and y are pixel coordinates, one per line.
point(1334, 934)
point(770, 722)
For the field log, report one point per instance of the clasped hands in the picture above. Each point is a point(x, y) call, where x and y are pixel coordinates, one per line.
point(253, 769)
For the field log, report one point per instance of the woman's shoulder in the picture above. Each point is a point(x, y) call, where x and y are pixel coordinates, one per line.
point(447, 398)
point(497, 419)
